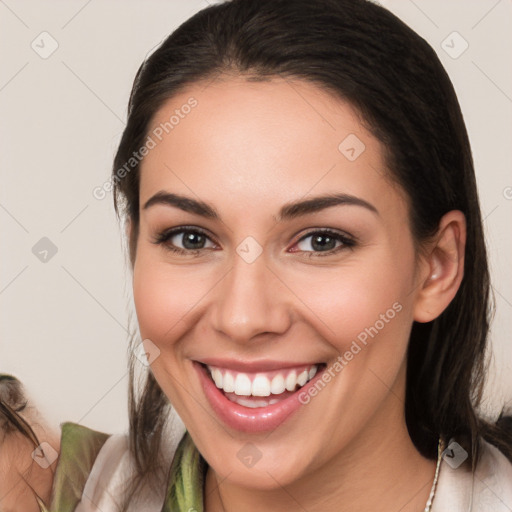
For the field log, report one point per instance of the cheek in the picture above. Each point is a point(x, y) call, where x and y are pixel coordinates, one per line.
point(162, 298)
point(360, 300)
point(379, 318)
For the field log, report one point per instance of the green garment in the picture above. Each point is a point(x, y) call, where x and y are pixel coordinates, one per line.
point(186, 479)
point(79, 449)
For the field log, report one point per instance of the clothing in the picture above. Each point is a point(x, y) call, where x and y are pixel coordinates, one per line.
point(93, 469)
point(488, 490)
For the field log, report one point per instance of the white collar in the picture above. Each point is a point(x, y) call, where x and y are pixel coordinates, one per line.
point(488, 490)
point(458, 490)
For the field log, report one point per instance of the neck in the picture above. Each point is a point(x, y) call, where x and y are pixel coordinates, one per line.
point(379, 470)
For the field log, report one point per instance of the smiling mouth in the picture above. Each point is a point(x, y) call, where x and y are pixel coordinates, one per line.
point(261, 389)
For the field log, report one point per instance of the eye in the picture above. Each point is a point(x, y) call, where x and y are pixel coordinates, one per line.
point(192, 240)
point(324, 242)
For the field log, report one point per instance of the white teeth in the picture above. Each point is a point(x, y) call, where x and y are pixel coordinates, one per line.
point(261, 385)
point(242, 385)
point(277, 386)
point(302, 378)
point(291, 381)
point(253, 404)
point(217, 377)
point(229, 383)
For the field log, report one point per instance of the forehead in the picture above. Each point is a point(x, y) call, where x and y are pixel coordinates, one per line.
point(261, 142)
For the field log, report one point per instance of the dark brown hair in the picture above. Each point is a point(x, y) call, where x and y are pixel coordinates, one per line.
point(361, 53)
point(12, 403)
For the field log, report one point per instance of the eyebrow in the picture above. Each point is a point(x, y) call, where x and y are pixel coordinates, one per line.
point(287, 212)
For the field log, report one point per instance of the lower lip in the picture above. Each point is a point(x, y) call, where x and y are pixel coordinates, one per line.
point(246, 419)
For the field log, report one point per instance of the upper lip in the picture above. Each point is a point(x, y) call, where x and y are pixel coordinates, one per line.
point(262, 365)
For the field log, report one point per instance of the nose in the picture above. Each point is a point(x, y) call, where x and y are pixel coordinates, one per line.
point(251, 300)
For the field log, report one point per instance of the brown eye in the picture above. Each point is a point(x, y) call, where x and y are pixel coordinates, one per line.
point(189, 239)
point(184, 241)
point(325, 241)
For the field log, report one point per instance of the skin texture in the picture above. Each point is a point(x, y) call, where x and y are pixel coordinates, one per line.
point(20, 475)
point(248, 149)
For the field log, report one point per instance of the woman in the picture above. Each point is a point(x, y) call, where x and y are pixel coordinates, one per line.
point(309, 275)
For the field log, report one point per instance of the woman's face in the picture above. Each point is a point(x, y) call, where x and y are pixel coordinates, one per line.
point(257, 292)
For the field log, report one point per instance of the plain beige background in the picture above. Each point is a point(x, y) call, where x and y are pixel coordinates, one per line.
point(64, 321)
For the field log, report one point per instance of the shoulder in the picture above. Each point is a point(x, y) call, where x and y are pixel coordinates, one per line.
point(494, 476)
point(79, 449)
point(489, 489)
point(114, 467)
point(75, 470)
point(29, 448)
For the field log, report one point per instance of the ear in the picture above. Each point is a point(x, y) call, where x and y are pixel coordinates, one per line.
point(442, 269)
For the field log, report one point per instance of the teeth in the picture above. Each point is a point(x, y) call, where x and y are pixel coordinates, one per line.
point(291, 381)
point(253, 404)
point(242, 385)
point(217, 377)
point(228, 383)
point(302, 378)
point(260, 386)
point(277, 386)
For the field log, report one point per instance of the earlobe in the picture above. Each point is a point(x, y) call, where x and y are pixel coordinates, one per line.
point(444, 268)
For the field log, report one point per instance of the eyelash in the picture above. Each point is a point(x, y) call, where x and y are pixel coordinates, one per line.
point(163, 238)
